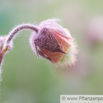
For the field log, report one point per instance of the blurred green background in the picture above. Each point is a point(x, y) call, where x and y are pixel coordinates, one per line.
point(28, 79)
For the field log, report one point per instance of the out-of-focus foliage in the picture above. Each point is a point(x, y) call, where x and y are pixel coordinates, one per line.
point(28, 79)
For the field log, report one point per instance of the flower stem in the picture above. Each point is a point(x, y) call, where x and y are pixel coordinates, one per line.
point(2, 55)
point(1, 59)
point(20, 28)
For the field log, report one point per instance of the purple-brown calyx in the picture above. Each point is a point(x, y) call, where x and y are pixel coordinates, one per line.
point(46, 40)
point(52, 41)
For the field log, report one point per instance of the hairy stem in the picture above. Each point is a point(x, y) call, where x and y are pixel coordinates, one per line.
point(2, 55)
point(20, 28)
point(1, 59)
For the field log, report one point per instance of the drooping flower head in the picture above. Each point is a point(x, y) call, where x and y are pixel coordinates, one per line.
point(49, 40)
point(54, 43)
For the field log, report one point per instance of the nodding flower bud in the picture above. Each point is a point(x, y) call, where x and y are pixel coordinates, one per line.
point(54, 43)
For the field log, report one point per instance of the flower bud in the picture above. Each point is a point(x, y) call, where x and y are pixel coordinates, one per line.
point(52, 42)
